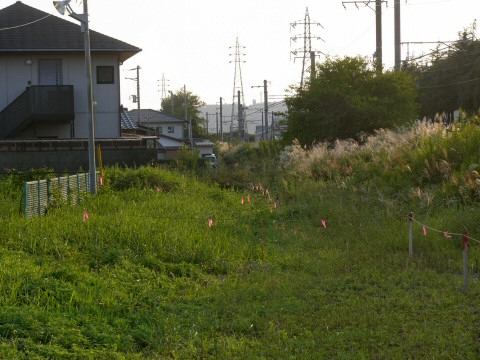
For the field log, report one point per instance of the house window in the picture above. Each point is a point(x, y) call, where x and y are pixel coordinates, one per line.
point(158, 130)
point(171, 129)
point(105, 75)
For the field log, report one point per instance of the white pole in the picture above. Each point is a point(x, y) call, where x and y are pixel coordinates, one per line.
point(90, 114)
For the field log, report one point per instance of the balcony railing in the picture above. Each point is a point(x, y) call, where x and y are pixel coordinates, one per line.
point(37, 103)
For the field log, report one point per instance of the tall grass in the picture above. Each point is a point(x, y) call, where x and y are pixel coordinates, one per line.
point(427, 158)
point(146, 277)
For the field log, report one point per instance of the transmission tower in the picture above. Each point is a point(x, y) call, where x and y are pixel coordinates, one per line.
point(238, 100)
point(163, 90)
point(307, 52)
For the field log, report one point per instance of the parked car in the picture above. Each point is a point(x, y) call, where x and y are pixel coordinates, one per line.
point(212, 159)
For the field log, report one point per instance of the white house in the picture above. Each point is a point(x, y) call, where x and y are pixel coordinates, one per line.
point(42, 77)
point(169, 130)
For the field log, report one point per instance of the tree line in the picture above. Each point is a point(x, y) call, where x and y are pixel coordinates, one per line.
point(348, 97)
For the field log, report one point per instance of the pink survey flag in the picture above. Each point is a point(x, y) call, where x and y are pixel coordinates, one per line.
point(85, 216)
point(424, 230)
point(248, 198)
point(210, 222)
point(243, 201)
point(101, 180)
point(324, 223)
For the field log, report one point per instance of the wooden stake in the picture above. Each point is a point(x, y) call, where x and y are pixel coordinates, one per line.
point(410, 243)
point(465, 261)
point(263, 241)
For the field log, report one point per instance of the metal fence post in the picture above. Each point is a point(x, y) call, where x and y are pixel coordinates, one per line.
point(78, 189)
point(25, 202)
point(38, 196)
point(410, 243)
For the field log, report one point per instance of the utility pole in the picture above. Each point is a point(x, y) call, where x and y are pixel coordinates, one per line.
point(185, 101)
point(137, 97)
point(265, 110)
point(241, 125)
point(206, 115)
point(265, 107)
point(398, 50)
point(378, 21)
point(171, 98)
point(307, 37)
point(221, 117)
point(191, 134)
point(273, 128)
point(216, 122)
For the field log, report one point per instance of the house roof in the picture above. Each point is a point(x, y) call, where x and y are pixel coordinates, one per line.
point(154, 116)
point(45, 32)
point(126, 121)
point(202, 142)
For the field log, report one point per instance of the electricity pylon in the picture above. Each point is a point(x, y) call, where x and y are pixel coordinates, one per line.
point(307, 52)
point(237, 105)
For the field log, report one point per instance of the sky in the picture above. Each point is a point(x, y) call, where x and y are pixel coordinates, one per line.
point(188, 42)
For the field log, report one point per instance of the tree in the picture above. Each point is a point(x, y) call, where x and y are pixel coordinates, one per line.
point(348, 97)
point(193, 103)
point(451, 78)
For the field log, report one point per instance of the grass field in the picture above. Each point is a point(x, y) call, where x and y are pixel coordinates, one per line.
point(146, 277)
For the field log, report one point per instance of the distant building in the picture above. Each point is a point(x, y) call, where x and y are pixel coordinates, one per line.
point(169, 130)
point(278, 128)
point(254, 116)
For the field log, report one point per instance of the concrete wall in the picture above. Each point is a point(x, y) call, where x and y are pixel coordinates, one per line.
point(16, 75)
point(71, 155)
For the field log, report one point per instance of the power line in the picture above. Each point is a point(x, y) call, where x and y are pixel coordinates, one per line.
point(444, 85)
point(26, 24)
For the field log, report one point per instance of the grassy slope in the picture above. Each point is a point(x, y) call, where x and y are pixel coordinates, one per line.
point(145, 277)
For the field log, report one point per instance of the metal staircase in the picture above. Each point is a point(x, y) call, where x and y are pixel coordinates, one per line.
point(45, 103)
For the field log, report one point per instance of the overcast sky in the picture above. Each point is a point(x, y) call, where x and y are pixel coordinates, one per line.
point(188, 40)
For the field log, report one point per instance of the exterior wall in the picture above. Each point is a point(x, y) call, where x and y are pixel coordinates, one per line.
point(168, 154)
point(16, 75)
point(204, 150)
point(71, 155)
point(177, 128)
point(47, 130)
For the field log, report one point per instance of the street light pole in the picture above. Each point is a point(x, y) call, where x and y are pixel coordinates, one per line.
point(90, 114)
point(61, 6)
